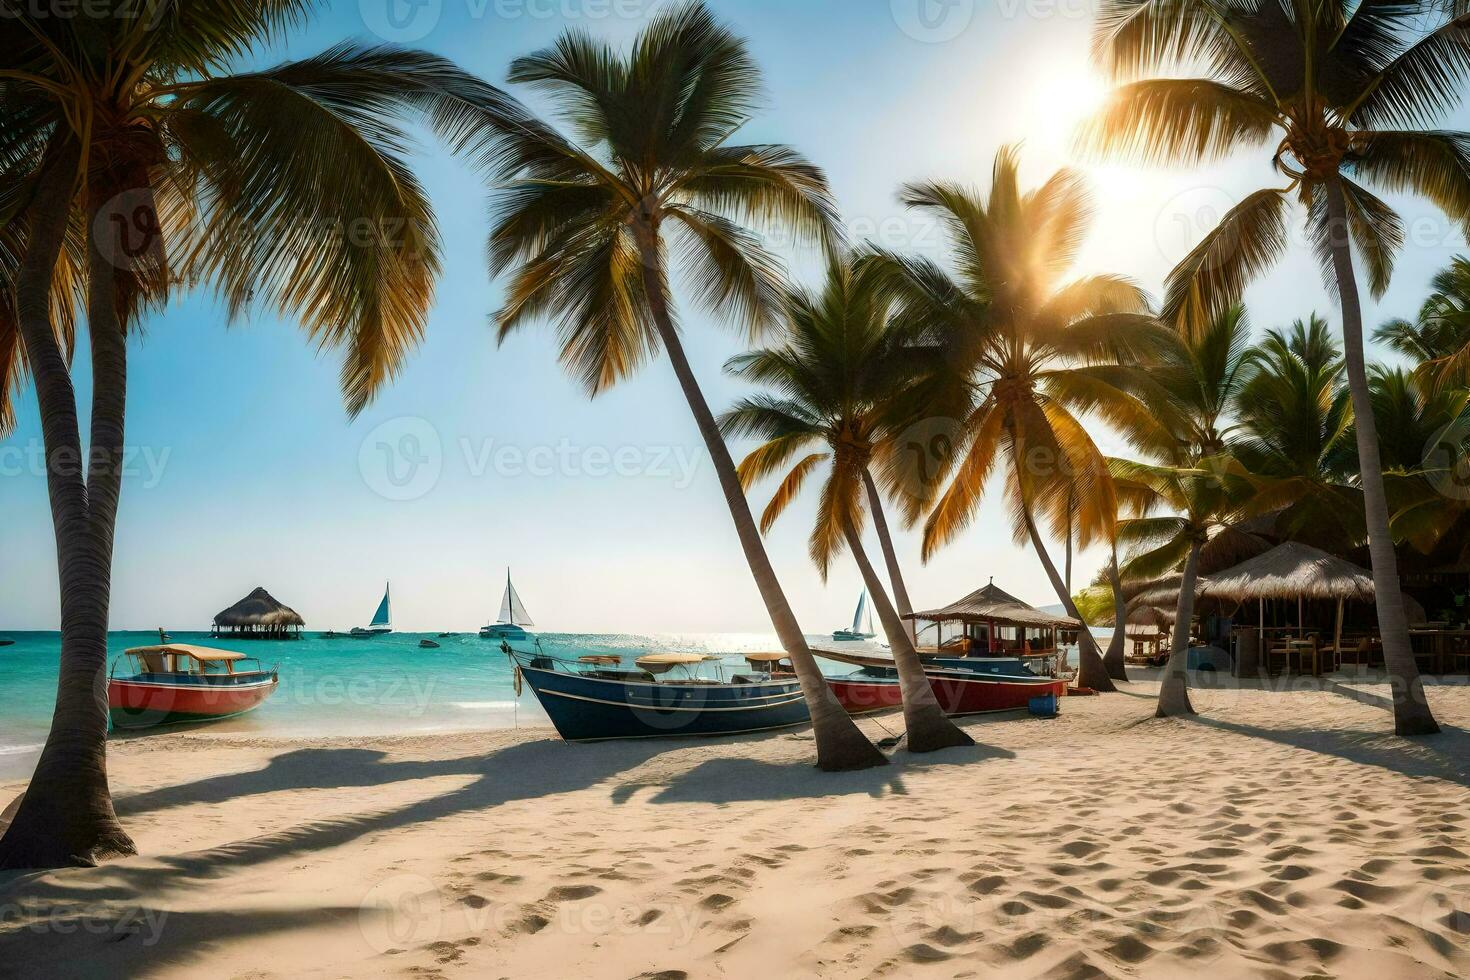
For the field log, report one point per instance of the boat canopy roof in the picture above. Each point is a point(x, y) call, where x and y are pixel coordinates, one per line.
point(991, 604)
point(765, 658)
point(672, 659)
point(202, 654)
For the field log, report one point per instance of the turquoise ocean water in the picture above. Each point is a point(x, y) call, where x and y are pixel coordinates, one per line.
point(343, 686)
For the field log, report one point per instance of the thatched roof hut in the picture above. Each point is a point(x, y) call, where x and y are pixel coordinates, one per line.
point(1139, 614)
point(992, 604)
point(258, 615)
point(1292, 571)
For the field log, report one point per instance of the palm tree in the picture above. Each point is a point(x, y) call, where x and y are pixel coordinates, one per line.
point(1294, 433)
point(1202, 502)
point(1424, 439)
point(131, 162)
point(1438, 340)
point(833, 377)
point(1023, 354)
point(1342, 87)
point(589, 226)
point(1190, 387)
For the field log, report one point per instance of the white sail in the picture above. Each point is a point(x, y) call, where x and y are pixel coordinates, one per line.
point(512, 610)
point(857, 614)
point(868, 624)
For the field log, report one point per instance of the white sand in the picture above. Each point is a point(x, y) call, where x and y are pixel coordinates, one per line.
point(1284, 835)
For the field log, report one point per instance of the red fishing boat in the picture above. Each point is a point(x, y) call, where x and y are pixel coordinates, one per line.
point(959, 692)
point(176, 683)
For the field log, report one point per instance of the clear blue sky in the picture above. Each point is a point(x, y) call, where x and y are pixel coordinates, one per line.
point(249, 473)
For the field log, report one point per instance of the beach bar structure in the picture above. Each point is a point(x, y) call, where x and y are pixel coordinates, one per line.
point(258, 616)
point(992, 622)
point(1294, 574)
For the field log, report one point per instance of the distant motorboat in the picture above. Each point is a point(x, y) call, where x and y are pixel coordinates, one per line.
point(382, 620)
point(862, 629)
point(513, 619)
point(428, 645)
point(5, 642)
point(330, 635)
point(443, 636)
point(174, 683)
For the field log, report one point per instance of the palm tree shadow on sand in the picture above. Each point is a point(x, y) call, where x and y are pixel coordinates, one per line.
point(734, 780)
point(1445, 757)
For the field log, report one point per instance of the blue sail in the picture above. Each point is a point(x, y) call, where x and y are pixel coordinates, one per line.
point(381, 617)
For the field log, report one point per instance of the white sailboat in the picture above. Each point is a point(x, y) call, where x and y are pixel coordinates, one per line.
point(382, 619)
point(862, 628)
point(513, 619)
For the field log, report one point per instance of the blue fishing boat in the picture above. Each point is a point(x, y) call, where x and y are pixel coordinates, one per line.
point(664, 696)
point(882, 665)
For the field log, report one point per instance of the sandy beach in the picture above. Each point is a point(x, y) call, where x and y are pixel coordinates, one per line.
point(1280, 834)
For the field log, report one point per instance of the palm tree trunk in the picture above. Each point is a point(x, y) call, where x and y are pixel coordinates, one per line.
point(1090, 670)
point(1115, 659)
point(66, 816)
point(1174, 691)
point(1410, 708)
point(929, 729)
point(841, 745)
point(890, 557)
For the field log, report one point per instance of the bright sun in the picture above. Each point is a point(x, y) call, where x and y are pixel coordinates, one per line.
point(1060, 102)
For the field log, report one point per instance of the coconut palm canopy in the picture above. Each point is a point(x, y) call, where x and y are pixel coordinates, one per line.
point(995, 604)
point(1290, 571)
point(259, 608)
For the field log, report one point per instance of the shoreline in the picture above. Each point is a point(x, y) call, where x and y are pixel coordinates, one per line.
point(1285, 831)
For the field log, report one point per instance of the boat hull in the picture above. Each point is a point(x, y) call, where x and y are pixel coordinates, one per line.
point(585, 709)
point(1006, 666)
point(359, 632)
point(144, 702)
point(503, 632)
point(958, 693)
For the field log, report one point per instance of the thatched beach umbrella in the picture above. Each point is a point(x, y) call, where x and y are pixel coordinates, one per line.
point(259, 612)
point(1294, 570)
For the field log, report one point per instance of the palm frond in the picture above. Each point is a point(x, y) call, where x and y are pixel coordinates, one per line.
point(960, 501)
point(1250, 238)
point(1184, 120)
point(1435, 164)
point(789, 489)
point(1419, 85)
point(731, 272)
